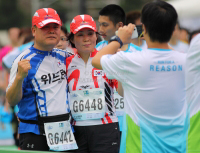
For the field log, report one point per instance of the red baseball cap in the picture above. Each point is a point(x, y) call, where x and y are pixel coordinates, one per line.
point(82, 21)
point(45, 16)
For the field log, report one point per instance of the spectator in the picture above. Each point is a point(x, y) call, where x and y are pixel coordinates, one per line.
point(6, 131)
point(13, 34)
point(175, 43)
point(8, 59)
point(184, 35)
point(193, 34)
point(63, 43)
point(192, 92)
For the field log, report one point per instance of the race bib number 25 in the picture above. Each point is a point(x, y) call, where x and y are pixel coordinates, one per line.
point(119, 104)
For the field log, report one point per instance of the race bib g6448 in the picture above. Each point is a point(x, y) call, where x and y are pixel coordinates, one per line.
point(87, 104)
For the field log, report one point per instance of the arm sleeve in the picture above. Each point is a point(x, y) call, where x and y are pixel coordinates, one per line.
point(113, 66)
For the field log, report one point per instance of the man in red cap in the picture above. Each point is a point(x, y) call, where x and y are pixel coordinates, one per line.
point(38, 85)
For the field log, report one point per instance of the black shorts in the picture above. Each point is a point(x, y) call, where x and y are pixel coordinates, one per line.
point(31, 141)
point(103, 138)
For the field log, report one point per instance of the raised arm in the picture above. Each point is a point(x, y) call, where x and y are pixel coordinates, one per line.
point(14, 93)
point(124, 33)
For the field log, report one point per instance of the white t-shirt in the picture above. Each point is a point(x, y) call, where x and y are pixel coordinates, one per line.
point(143, 45)
point(154, 94)
point(101, 44)
point(193, 75)
point(193, 93)
point(131, 46)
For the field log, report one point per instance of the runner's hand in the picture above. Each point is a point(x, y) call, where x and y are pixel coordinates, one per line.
point(125, 33)
point(23, 68)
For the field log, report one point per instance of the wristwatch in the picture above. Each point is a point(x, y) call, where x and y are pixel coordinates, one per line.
point(116, 38)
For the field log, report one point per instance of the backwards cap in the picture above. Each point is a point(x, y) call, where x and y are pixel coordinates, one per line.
point(82, 21)
point(45, 16)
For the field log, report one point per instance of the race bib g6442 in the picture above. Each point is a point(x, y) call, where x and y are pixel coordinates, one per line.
point(60, 136)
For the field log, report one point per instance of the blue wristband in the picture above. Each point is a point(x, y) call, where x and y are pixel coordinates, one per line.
point(116, 38)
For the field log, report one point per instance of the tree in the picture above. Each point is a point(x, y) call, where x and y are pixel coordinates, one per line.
point(10, 15)
point(130, 5)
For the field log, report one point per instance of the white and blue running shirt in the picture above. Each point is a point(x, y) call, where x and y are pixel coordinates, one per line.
point(101, 44)
point(45, 87)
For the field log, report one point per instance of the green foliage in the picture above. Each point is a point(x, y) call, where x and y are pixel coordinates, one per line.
point(131, 5)
point(10, 15)
point(59, 6)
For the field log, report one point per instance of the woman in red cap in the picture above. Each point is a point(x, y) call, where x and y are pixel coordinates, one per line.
point(91, 92)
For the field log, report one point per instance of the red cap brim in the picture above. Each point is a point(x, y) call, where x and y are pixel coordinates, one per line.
point(45, 22)
point(83, 27)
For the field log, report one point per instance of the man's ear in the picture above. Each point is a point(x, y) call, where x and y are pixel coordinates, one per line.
point(33, 29)
point(119, 24)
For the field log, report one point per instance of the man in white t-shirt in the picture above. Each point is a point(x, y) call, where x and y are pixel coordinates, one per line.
point(192, 92)
point(152, 81)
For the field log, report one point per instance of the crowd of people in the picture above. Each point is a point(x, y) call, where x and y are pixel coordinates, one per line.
point(94, 90)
